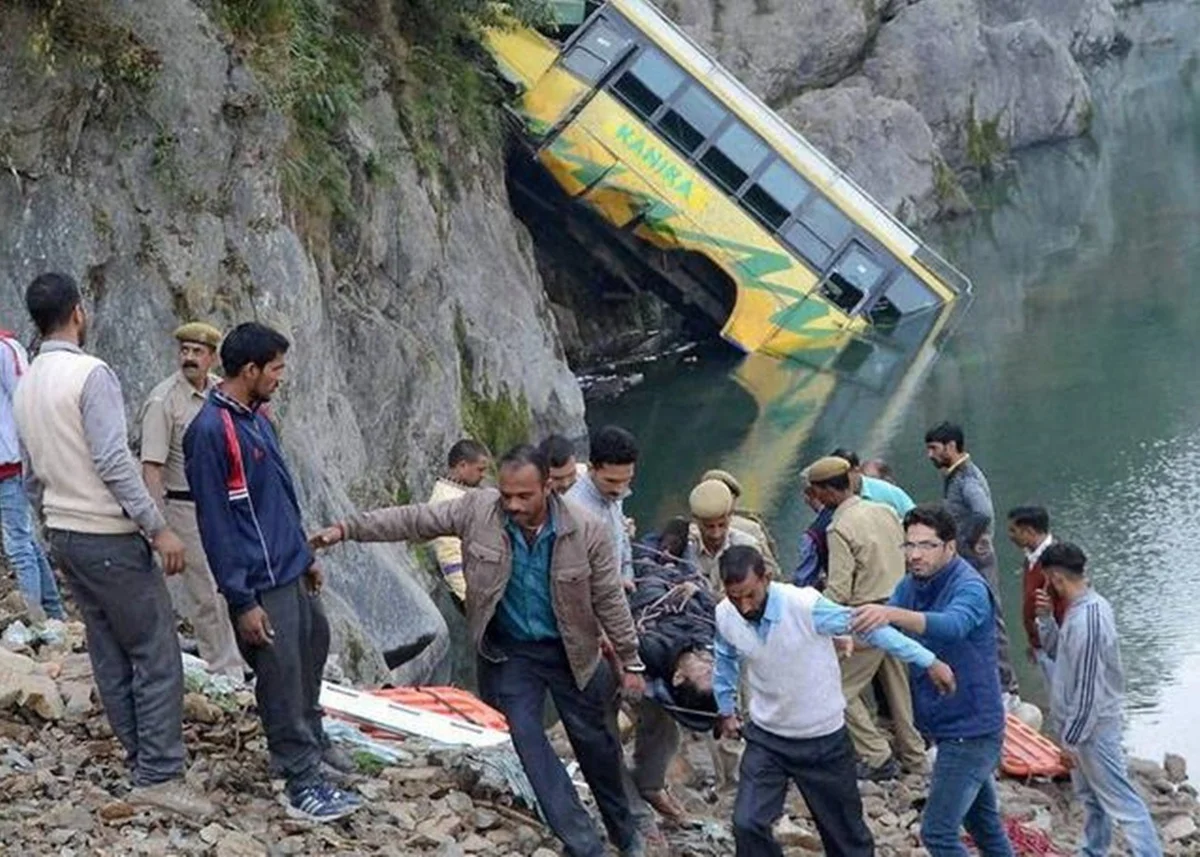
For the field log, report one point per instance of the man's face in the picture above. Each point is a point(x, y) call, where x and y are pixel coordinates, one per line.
point(941, 454)
point(924, 552)
point(196, 361)
point(856, 476)
point(523, 494)
point(613, 480)
point(1023, 537)
point(265, 380)
point(562, 478)
point(713, 531)
point(471, 473)
point(749, 596)
point(810, 497)
point(694, 668)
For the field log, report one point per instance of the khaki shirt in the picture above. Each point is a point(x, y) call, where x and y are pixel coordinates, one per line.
point(865, 558)
point(168, 412)
point(709, 562)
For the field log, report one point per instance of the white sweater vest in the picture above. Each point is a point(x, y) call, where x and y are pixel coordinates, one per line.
point(50, 422)
point(794, 678)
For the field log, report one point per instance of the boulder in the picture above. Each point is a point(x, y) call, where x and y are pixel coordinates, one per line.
point(1089, 28)
point(1175, 767)
point(1178, 827)
point(985, 88)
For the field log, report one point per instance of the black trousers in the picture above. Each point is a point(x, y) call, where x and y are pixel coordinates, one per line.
point(517, 686)
point(287, 684)
point(823, 769)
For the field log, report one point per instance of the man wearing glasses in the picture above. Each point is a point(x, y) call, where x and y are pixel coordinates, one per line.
point(945, 605)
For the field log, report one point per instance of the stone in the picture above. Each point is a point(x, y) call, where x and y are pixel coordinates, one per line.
point(543, 852)
point(238, 844)
point(458, 802)
point(475, 844)
point(484, 819)
point(790, 834)
point(1089, 28)
point(1177, 828)
point(1175, 767)
point(32, 691)
point(212, 833)
point(200, 709)
point(115, 811)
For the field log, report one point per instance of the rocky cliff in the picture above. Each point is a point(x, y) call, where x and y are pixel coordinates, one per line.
point(146, 152)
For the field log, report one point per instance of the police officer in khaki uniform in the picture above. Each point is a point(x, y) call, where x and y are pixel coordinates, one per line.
point(168, 412)
point(712, 531)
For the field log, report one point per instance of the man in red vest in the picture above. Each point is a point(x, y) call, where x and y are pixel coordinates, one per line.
point(1029, 530)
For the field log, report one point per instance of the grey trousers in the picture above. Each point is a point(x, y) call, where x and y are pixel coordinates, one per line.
point(655, 745)
point(287, 684)
point(132, 645)
point(988, 568)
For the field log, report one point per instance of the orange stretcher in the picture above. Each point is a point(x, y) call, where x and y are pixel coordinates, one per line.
point(452, 702)
point(1027, 753)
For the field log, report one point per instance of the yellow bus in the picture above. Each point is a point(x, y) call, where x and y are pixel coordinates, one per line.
point(711, 191)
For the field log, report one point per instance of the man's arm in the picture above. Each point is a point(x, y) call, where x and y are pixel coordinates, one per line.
point(833, 620)
point(969, 607)
point(103, 411)
point(979, 518)
point(156, 441)
point(415, 522)
point(207, 467)
point(608, 597)
point(839, 586)
point(33, 485)
point(727, 670)
point(1047, 630)
point(1082, 656)
point(808, 570)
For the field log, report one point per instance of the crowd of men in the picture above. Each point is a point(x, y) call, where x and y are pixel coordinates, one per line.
point(893, 607)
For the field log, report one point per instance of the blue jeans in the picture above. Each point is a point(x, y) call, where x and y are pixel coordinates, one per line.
point(1102, 786)
point(962, 793)
point(34, 575)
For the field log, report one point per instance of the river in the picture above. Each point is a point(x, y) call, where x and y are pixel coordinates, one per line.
point(1074, 371)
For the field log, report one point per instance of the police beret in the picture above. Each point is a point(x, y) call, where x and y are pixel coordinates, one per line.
point(726, 477)
point(824, 469)
point(711, 499)
point(198, 331)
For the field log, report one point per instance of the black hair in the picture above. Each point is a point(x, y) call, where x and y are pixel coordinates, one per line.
point(612, 445)
point(523, 454)
point(739, 561)
point(466, 450)
point(687, 695)
point(947, 432)
point(841, 482)
point(847, 455)
point(557, 449)
point(50, 300)
point(251, 344)
point(674, 537)
point(935, 516)
point(1065, 557)
point(1034, 517)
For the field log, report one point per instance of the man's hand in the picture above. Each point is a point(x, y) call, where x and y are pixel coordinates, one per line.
point(314, 580)
point(171, 552)
point(630, 527)
point(633, 685)
point(1042, 604)
point(629, 585)
point(327, 537)
point(844, 646)
point(729, 726)
point(1068, 758)
point(870, 617)
point(1031, 655)
point(942, 677)
point(254, 627)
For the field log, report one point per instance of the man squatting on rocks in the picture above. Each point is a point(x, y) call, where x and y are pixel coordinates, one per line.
point(166, 415)
point(543, 586)
point(780, 635)
point(103, 528)
point(250, 524)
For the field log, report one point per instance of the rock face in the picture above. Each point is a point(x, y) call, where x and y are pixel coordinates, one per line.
point(169, 207)
point(1088, 27)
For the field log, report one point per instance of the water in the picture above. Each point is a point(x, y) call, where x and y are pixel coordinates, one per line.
point(1074, 372)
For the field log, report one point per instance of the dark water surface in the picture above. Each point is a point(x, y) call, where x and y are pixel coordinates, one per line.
point(1076, 371)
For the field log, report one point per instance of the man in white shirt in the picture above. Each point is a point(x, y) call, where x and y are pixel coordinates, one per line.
point(782, 636)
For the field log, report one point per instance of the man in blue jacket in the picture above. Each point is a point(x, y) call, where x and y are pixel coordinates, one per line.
point(250, 525)
point(945, 604)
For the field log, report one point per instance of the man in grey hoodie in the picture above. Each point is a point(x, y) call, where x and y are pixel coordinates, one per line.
point(969, 499)
point(1086, 698)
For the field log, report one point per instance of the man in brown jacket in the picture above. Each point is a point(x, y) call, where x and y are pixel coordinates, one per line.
point(543, 588)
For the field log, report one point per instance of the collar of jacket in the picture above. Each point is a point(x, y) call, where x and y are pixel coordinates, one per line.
point(223, 399)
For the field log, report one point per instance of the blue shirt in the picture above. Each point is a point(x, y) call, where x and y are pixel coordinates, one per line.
point(882, 491)
point(585, 494)
point(830, 620)
point(526, 610)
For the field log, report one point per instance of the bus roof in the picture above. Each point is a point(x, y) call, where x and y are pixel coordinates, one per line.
point(787, 139)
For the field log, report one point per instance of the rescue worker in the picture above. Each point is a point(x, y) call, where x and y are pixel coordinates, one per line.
point(742, 519)
point(166, 415)
point(466, 466)
point(711, 504)
point(565, 468)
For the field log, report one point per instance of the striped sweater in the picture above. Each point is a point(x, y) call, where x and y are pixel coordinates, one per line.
point(1088, 686)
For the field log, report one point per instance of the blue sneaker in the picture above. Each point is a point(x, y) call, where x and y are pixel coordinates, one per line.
point(320, 804)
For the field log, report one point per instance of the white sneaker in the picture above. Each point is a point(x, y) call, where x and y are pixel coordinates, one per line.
point(173, 796)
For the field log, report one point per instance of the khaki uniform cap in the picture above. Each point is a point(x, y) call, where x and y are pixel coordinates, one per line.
point(710, 499)
point(824, 469)
point(198, 331)
point(726, 477)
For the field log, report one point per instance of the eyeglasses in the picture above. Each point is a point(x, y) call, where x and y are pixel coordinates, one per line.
point(924, 547)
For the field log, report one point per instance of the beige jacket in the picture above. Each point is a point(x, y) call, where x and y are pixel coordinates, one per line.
point(865, 558)
point(588, 597)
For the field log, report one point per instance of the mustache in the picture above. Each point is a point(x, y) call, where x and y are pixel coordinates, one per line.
point(190, 365)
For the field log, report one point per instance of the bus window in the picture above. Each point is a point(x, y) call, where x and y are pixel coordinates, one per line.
point(647, 83)
point(853, 278)
point(598, 50)
point(734, 156)
point(777, 193)
point(808, 245)
point(826, 222)
point(905, 296)
point(691, 119)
